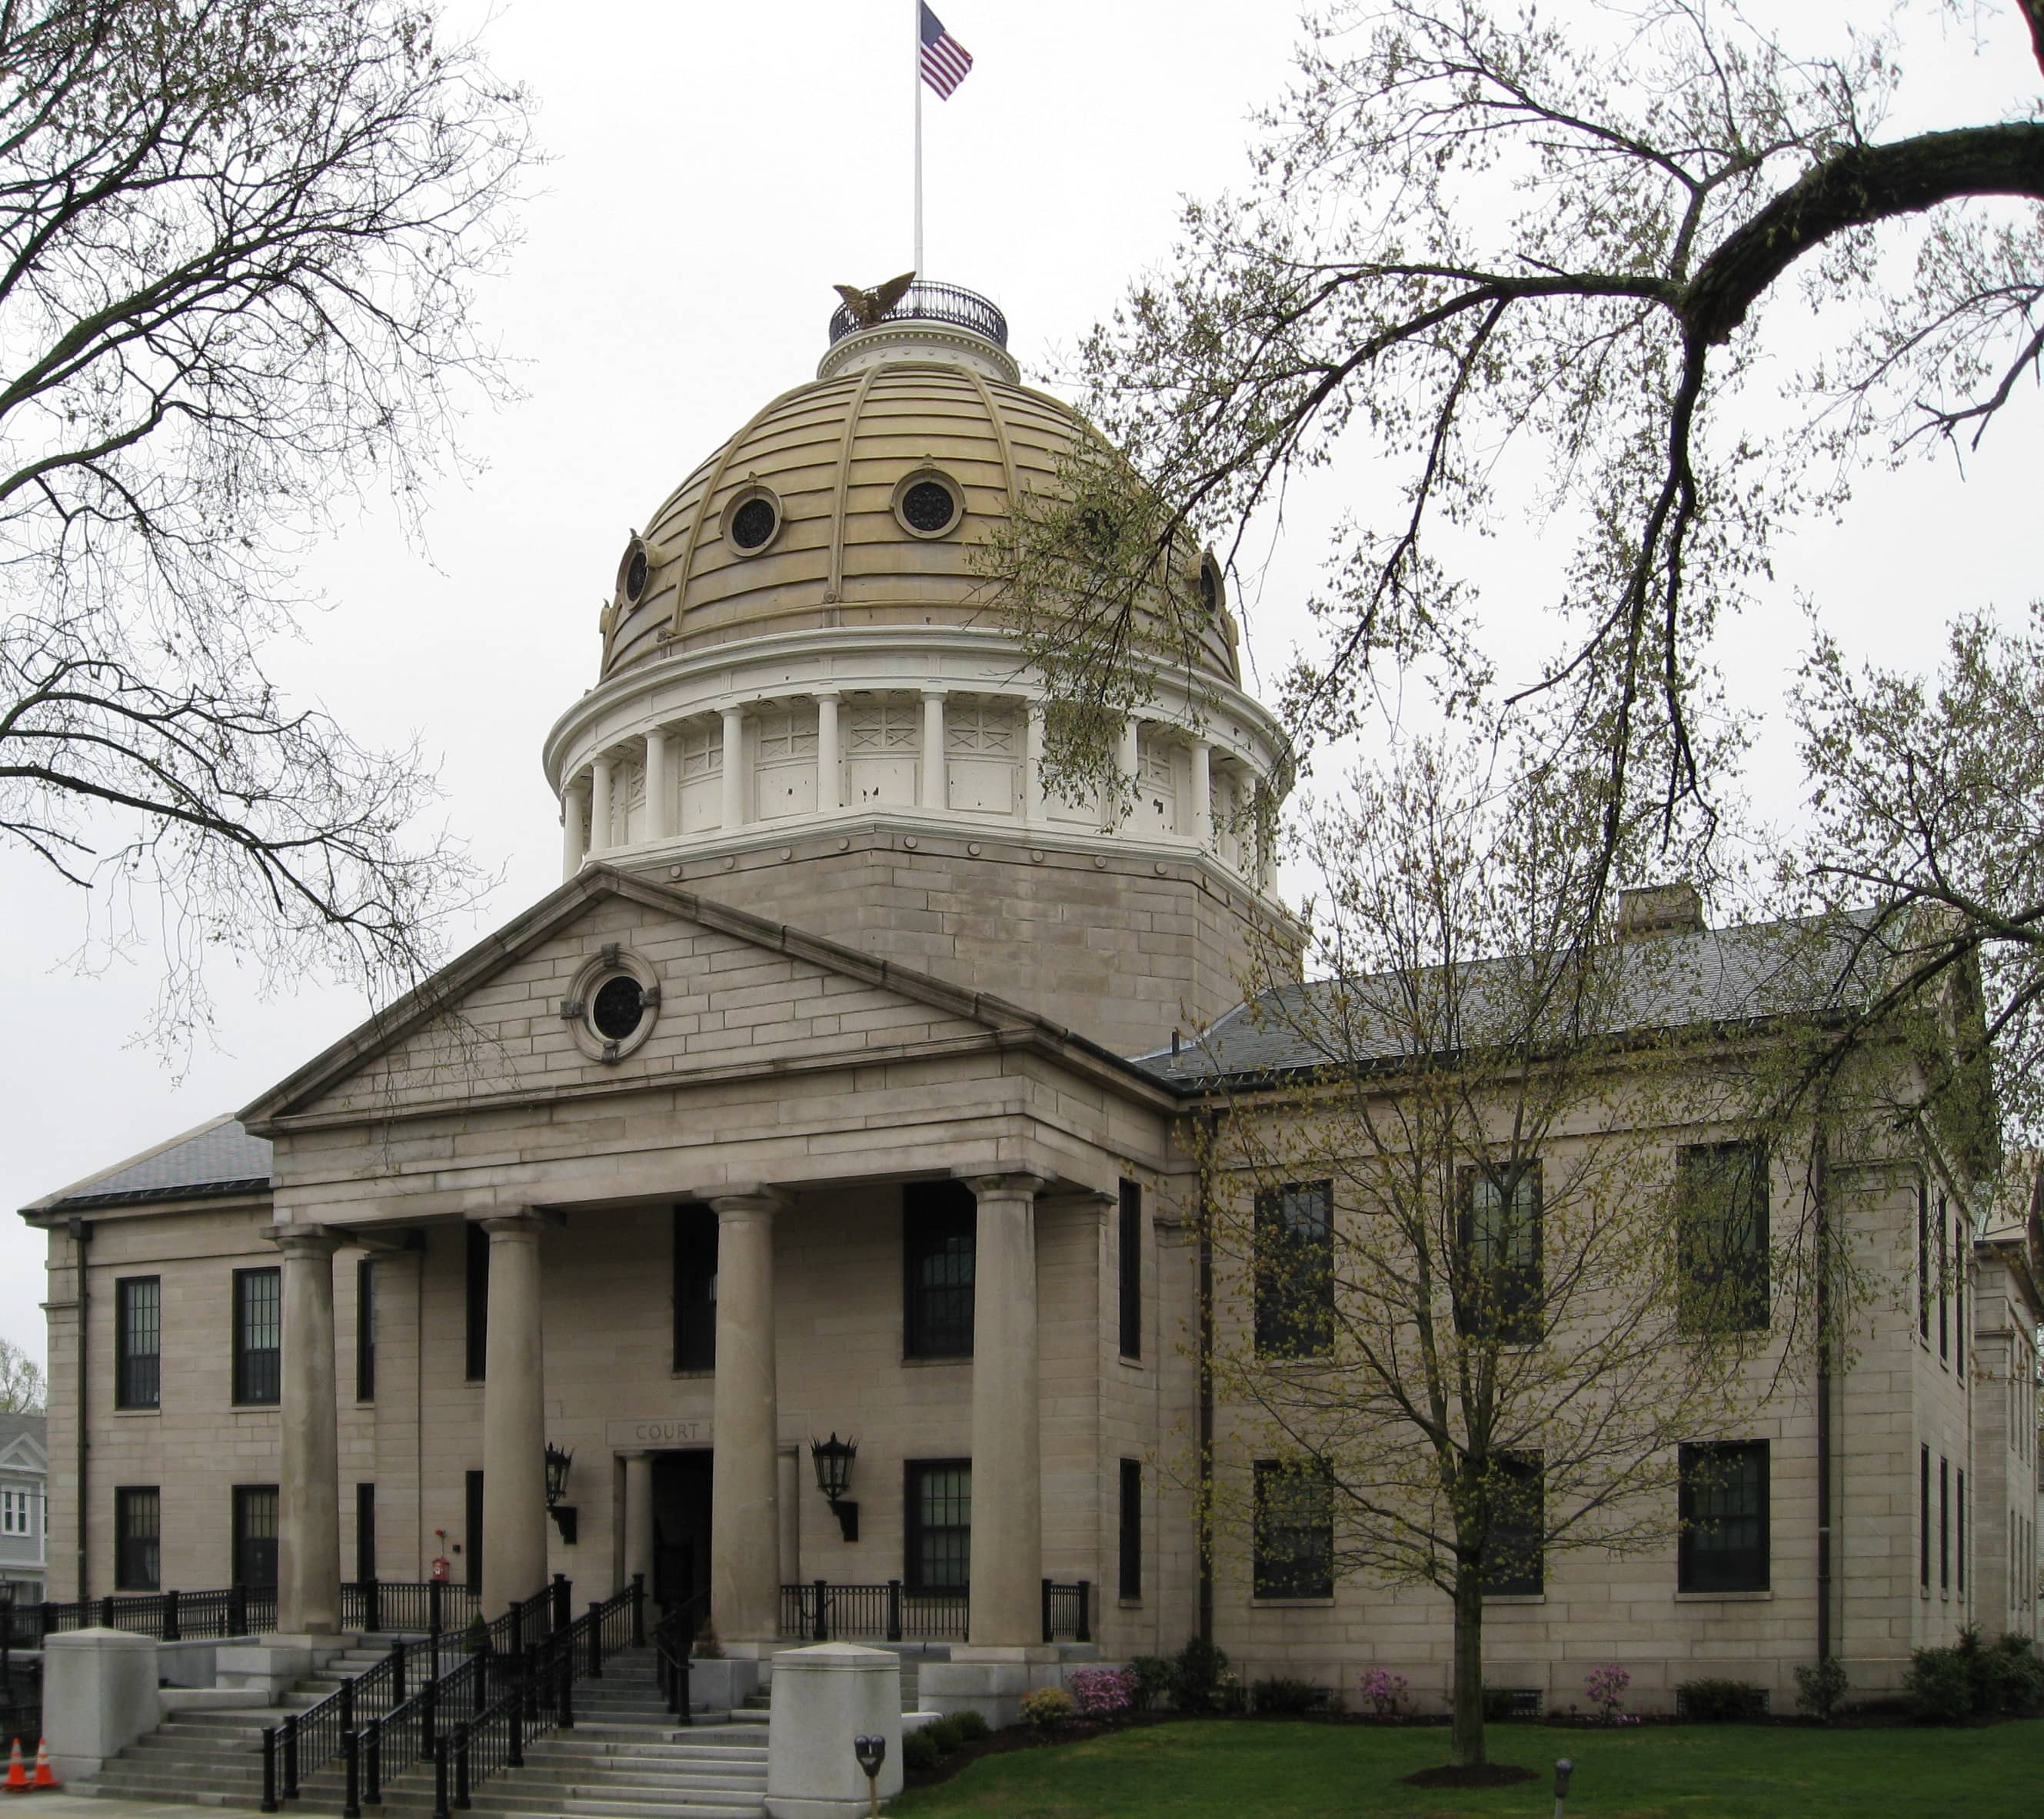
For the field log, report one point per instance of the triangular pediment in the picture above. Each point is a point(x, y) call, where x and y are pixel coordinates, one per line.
point(736, 994)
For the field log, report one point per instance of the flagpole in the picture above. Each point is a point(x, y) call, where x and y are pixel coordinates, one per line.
point(916, 74)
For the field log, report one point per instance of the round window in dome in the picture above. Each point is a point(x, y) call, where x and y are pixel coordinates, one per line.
point(928, 505)
point(619, 1003)
point(633, 570)
point(1209, 585)
point(752, 521)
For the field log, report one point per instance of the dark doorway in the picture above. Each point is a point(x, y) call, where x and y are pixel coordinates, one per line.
point(680, 1533)
point(475, 1533)
point(365, 1533)
point(255, 1536)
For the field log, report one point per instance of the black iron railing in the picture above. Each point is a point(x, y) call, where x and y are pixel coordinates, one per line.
point(378, 1606)
point(1068, 1612)
point(21, 1701)
point(818, 1610)
point(926, 300)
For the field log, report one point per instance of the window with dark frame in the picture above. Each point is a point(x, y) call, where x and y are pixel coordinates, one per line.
point(1944, 1281)
point(939, 1529)
point(1295, 1270)
point(695, 1288)
point(1944, 1525)
point(1959, 1533)
point(477, 1263)
point(1722, 1235)
point(1129, 1260)
point(1515, 1562)
point(258, 1329)
point(138, 1530)
point(1923, 1518)
point(1722, 1500)
point(1130, 1576)
point(1499, 1289)
point(1923, 1265)
point(255, 1536)
point(1293, 1552)
point(940, 1241)
point(138, 1342)
point(1959, 1295)
point(365, 1533)
point(474, 1532)
point(365, 1330)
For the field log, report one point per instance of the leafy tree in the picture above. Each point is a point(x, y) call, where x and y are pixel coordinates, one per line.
point(237, 240)
point(24, 1390)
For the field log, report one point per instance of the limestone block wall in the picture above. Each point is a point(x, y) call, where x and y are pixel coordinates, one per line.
point(2004, 1446)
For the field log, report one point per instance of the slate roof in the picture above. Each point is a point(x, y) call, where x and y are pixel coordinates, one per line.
point(215, 1160)
point(1681, 979)
point(13, 1427)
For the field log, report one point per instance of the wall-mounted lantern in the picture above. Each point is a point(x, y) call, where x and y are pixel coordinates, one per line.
point(833, 1458)
point(558, 1460)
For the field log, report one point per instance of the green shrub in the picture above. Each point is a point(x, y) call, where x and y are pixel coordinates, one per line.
point(1721, 1701)
point(1284, 1693)
point(1047, 1707)
point(919, 1750)
point(945, 1734)
point(1819, 1688)
point(1939, 1687)
point(1201, 1680)
point(477, 1641)
point(1154, 1678)
point(2020, 1671)
point(972, 1726)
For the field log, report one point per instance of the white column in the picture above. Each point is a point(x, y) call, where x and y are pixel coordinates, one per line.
point(744, 1520)
point(574, 828)
point(936, 765)
point(1126, 763)
point(638, 1520)
point(830, 772)
point(1033, 804)
point(1202, 827)
point(599, 808)
point(659, 808)
point(734, 767)
point(309, 1464)
point(1007, 1467)
point(514, 1419)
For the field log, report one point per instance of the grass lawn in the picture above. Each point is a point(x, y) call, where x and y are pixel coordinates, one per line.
point(1298, 1770)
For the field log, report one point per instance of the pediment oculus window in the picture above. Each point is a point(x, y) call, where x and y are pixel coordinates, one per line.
point(613, 1004)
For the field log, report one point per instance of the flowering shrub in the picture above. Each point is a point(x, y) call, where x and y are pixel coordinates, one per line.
point(1102, 1692)
point(1047, 1707)
point(1605, 1689)
point(1385, 1691)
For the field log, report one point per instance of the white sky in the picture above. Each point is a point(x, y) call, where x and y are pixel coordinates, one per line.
point(716, 169)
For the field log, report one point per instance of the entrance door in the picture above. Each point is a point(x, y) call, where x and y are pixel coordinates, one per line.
point(255, 1536)
point(680, 1534)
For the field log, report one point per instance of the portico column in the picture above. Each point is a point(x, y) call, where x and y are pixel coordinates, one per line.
point(1007, 1467)
point(309, 1467)
point(936, 784)
point(574, 828)
point(744, 1518)
point(1127, 761)
point(599, 804)
point(1032, 766)
point(638, 1519)
point(659, 823)
point(734, 766)
point(830, 775)
point(1202, 828)
point(514, 1425)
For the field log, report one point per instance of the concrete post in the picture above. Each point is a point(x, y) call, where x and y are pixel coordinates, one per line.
point(1202, 823)
point(660, 820)
point(734, 767)
point(823, 1697)
point(99, 1694)
point(1007, 1469)
point(599, 805)
point(935, 792)
point(830, 770)
point(514, 1426)
point(574, 828)
point(638, 1519)
point(744, 1523)
point(308, 1463)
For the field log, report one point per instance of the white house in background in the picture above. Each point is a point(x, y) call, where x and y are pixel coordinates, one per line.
point(25, 1466)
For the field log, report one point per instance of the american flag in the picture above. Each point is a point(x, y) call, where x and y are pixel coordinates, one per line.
point(945, 62)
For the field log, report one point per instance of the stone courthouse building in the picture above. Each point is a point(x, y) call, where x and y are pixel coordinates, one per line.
point(805, 1108)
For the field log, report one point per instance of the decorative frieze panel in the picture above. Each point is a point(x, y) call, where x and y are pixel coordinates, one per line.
point(984, 738)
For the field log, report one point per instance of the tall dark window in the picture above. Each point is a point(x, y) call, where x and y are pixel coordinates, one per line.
point(1499, 1290)
point(259, 1331)
point(939, 1228)
point(1923, 1517)
point(1959, 1294)
point(477, 1259)
point(1295, 1270)
point(1131, 1529)
point(1944, 1280)
point(365, 1533)
point(1959, 1534)
point(365, 1330)
point(1944, 1524)
point(940, 1526)
point(474, 1513)
point(1293, 1542)
point(1130, 1254)
point(695, 1289)
point(1723, 1502)
point(255, 1536)
point(1515, 1563)
point(138, 1342)
point(1923, 1266)
point(138, 1532)
point(1722, 1231)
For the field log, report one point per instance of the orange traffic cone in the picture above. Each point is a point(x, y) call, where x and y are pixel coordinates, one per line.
point(43, 1777)
point(17, 1781)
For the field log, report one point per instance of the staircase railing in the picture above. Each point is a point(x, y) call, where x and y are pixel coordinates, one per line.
point(673, 1638)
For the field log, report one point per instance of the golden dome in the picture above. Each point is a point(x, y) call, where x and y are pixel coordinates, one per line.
point(855, 500)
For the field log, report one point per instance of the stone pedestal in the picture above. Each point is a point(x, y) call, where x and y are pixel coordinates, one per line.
point(1007, 1465)
point(99, 1694)
point(514, 1420)
point(744, 1523)
point(823, 1697)
point(308, 1465)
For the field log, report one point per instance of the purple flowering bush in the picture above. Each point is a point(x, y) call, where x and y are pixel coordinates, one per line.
point(1102, 1692)
point(1605, 1689)
point(1385, 1691)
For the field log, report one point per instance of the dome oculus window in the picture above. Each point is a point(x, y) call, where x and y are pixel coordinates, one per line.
point(633, 570)
point(928, 505)
point(752, 521)
point(613, 1004)
point(1210, 590)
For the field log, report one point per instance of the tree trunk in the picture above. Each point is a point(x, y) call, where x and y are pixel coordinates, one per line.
point(1465, 1743)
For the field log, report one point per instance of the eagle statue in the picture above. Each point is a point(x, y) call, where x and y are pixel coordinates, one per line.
point(868, 307)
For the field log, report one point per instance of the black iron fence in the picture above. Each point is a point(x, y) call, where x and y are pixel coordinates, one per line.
point(926, 300)
point(1068, 1612)
point(21, 1702)
point(384, 1606)
point(818, 1611)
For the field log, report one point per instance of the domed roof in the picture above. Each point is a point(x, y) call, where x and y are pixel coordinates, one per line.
point(855, 500)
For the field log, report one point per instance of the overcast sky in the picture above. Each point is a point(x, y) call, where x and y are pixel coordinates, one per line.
point(715, 170)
